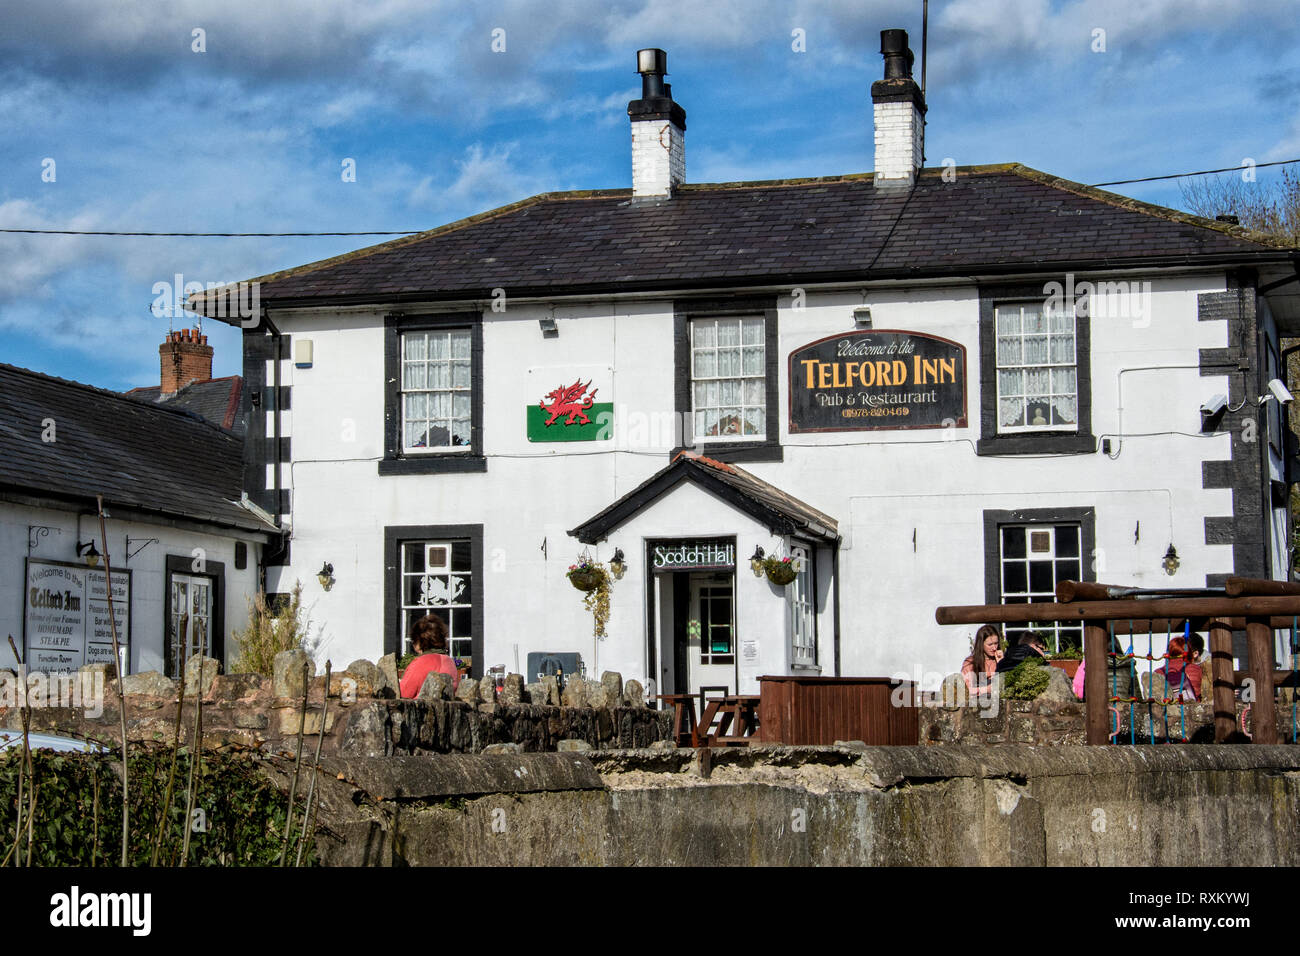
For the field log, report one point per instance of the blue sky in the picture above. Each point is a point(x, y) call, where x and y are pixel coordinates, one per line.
point(250, 135)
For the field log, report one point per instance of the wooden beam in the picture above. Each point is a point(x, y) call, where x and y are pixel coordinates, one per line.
point(1096, 643)
point(1225, 702)
point(1288, 606)
point(1068, 592)
point(1246, 587)
point(1259, 645)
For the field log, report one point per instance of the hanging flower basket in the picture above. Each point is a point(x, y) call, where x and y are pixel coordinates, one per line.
point(780, 571)
point(585, 579)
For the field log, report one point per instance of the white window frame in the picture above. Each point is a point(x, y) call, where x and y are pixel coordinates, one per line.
point(450, 362)
point(700, 352)
point(801, 599)
point(1022, 309)
point(181, 629)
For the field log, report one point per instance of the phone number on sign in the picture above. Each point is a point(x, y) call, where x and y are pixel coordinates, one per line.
point(875, 412)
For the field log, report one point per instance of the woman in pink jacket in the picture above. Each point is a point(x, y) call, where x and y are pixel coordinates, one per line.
point(429, 640)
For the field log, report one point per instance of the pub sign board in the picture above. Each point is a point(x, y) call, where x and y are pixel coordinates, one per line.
point(693, 555)
point(65, 615)
point(876, 379)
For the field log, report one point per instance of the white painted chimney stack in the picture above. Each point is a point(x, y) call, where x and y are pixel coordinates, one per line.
point(658, 130)
point(898, 107)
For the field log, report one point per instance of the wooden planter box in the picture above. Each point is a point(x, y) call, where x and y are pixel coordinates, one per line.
point(1070, 667)
point(822, 710)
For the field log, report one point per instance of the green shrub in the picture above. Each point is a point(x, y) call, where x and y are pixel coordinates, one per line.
point(79, 810)
point(1025, 681)
point(272, 630)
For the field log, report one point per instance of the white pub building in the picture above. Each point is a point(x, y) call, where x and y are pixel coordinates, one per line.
point(952, 385)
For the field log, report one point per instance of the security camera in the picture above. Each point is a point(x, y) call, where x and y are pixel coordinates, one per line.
point(1280, 392)
point(1215, 405)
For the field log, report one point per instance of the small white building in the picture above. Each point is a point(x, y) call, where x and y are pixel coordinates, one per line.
point(929, 386)
point(182, 553)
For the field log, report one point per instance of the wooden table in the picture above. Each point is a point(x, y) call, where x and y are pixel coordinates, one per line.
point(684, 727)
point(742, 708)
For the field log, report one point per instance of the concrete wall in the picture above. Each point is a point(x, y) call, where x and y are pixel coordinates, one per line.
point(885, 806)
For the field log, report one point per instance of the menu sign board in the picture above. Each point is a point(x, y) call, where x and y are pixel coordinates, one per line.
point(877, 379)
point(65, 615)
point(693, 555)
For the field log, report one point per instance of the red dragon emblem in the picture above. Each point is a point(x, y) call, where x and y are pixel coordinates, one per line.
point(568, 400)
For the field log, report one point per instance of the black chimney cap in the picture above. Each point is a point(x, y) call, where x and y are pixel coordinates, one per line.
point(656, 100)
point(652, 60)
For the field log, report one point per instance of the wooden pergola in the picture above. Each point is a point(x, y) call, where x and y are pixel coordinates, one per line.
point(1258, 606)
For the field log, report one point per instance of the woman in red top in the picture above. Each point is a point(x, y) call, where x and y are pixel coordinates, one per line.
point(1182, 671)
point(429, 640)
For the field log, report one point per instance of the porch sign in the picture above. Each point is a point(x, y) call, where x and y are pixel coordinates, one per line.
point(65, 615)
point(877, 379)
point(693, 556)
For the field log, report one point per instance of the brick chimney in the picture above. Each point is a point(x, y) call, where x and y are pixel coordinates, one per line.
point(185, 357)
point(898, 107)
point(658, 130)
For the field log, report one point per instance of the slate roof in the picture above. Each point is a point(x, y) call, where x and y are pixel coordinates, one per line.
point(988, 220)
point(135, 454)
point(215, 400)
point(780, 511)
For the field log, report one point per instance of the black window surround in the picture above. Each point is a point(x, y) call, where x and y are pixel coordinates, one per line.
point(396, 461)
point(1081, 441)
point(1085, 518)
point(769, 449)
point(394, 535)
point(215, 571)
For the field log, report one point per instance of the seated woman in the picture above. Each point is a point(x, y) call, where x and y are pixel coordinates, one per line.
point(429, 640)
point(978, 669)
point(1182, 673)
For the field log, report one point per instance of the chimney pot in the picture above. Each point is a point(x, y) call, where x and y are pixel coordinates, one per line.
point(898, 108)
point(658, 130)
point(183, 358)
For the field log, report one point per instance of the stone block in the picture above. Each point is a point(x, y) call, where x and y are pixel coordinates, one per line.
point(436, 686)
point(238, 686)
point(200, 672)
point(597, 696)
point(149, 683)
point(510, 748)
point(287, 671)
point(575, 693)
point(552, 691)
point(634, 694)
point(566, 746)
point(468, 690)
point(363, 670)
point(290, 720)
point(107, 668)
point(613, 682)
point(251, 720)
point(388, 685)
point(487, 689)
point(513, 690)
point(538, 694)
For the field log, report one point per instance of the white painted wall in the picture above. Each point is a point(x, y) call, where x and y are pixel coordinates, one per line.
point(148, 571)
point(879, 485)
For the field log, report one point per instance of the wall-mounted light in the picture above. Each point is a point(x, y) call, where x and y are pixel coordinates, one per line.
point(862, 317)
point(1171, 561)
point(326, 576)
point(547, 324)
point(617, 565)
point(756, 561)
point(87, 551)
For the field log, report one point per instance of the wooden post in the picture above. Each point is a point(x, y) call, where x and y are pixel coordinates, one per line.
point(1096, 693)
point(1259, 650)
point(1225, 703)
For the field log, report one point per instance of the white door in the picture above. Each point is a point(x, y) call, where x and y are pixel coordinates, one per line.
point(711, 635)
point(190, 616)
